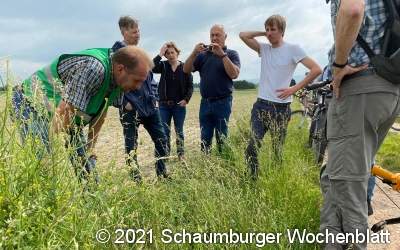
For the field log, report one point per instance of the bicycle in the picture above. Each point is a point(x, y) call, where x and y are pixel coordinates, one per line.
point(315, 107)
point(319, 137)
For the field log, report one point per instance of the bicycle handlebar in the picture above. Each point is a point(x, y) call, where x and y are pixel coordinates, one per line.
point(317, 85)
point(387, 177)
point(392, 180)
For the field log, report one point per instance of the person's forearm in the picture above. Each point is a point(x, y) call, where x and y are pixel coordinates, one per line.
point(251, 34)
point(348, 23)
point(62, 117)
point(94, 130)
point(157, 64)
point(187, 67)
point(311, 76)
point(230, 68)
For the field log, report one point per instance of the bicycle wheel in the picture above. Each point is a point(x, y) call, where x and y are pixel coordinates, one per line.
point(311, 133)
point(319, 140)
point(298, 118)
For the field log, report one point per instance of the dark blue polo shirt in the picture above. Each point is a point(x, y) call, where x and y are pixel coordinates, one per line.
point(214, 81)
point(143, 99)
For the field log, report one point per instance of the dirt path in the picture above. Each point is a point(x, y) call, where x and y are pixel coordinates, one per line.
point(384, 208)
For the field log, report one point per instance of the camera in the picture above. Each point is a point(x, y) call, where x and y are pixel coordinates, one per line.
point(207, 47)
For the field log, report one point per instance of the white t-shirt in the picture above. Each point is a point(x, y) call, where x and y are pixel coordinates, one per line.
point(277, 68)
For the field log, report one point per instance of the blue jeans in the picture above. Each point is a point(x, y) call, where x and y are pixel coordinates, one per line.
point(31, 123)
point(214, 115)
point(35, 124)
point(371, 185)
point(266, 116)
point(370, 188)
point(178, 114)
point(130, 123)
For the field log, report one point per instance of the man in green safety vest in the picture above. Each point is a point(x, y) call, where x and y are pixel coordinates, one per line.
point(75, 90)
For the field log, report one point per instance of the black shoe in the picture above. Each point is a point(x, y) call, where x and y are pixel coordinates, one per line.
point(163, 175)
point(135, 175)
point(370, 210)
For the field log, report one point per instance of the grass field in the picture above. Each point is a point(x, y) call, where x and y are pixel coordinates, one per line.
point(42, 204)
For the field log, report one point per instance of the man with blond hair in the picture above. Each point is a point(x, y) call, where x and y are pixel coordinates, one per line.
point(217, 66)
point(271, 111)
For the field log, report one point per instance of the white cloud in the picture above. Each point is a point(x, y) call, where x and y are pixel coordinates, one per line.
point(33, 34)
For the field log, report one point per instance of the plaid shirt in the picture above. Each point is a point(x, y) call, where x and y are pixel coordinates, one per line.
point(82, 77)
point(372, 30)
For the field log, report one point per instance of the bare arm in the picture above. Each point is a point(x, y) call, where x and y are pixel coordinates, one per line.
point(94, 130)
point(188, 66)
point(62, 117)
point(230, 68)
point(315, 70)
point(248, 37)
point(348, 24)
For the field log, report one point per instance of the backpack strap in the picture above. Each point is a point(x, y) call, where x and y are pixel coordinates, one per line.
point(392, 20)
point(365, 46)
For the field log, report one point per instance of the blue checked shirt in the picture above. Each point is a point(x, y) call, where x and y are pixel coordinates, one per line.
point(372, 30)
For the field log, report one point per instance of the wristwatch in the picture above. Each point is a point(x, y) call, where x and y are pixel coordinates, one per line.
point(334, 64)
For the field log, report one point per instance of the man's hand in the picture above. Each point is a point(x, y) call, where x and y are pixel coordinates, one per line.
point(188, 65)
point(217, 50)
point(200, 47)
point(286, 92)
point(182, 103)
point(339, 73)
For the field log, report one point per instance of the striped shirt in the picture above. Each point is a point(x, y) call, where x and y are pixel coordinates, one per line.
point(372, 30)
point(82, 77)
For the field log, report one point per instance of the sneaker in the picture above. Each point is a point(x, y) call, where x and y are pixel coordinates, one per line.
point(370, 210)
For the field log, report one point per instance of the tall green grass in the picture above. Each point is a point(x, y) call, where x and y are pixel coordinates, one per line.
point(42, 205)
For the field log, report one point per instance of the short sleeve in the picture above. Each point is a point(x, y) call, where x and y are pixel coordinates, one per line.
point(263, 47)
point(298, 54)
point(234, 57)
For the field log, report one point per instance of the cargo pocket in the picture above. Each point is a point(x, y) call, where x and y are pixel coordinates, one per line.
point(346, 117)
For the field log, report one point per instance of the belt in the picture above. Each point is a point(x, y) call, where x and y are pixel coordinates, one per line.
point(216, 98)
point(168, 102)
point(365, 72)
point(276, 104)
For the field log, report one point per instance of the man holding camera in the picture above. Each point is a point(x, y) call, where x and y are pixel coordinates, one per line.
point(217, 66)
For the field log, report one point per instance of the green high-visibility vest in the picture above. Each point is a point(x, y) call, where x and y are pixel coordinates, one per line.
point(46, 87)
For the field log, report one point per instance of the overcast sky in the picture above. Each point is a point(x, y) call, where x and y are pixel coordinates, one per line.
point(33, 33)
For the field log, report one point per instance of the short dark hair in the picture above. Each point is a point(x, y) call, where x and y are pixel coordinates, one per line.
point(129, 57)
point(127, 22)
